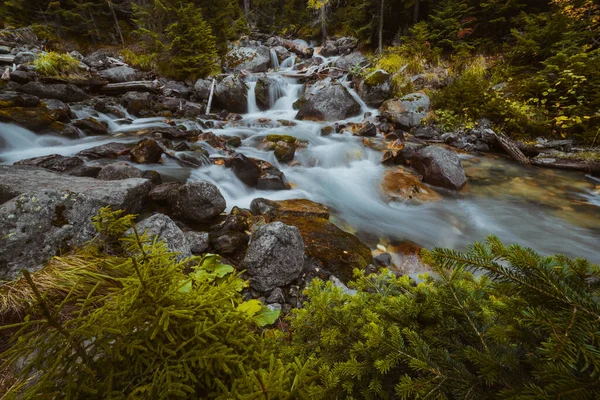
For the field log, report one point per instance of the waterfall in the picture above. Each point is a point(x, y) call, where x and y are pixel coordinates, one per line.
point(274, 59)
point(277, 89)
point(289, 62)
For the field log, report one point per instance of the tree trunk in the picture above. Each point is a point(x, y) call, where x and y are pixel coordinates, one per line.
point(117, 27)
point(417, 10)
point(380, 47)
point(246, 7)
point(324, 22)
point(511, 149)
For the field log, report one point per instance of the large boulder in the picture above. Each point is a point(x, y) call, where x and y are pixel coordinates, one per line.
point(349, 61)
point(408, 112)
point(440, 167)
point(147, 151)
point(119, 74)
point(43, 213)
point(162, 228)
point(59, 110)
point(202, 89)
point(36, 119)
point(231, 94)
point(275, 256)
point(136, 102)
point(60, 91)
point(268, 90)
point(196, 202)
point(118, 171)
point(327, 100)
point(92, 126)
point(375, 88)
point(398, 185)
point(53, 162)
point(341, 46)
point(108, 150)
point(14, 99)
point(248, 59)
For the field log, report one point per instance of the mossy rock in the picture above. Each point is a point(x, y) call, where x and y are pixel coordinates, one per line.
point(281, 138)
point(338, 252)
point(378, 77)
point(36, 119)
point(398, 185)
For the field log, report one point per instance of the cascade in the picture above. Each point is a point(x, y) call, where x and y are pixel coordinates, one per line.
point(274, 59)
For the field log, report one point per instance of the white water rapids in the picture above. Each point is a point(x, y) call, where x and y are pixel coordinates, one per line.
point(548, 210)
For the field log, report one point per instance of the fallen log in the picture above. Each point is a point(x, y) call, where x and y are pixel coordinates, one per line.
point(511, 148)
point(135, 86)
point(299, 49)
point(533, 150)
point(587, 166)
point(7, 59)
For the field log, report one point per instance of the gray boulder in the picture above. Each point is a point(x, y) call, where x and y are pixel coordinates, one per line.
point(25, 57)
point(348, 61)
point(281, 52)
point(268, 91)
point(59, 110)
point(53, 162)
point(341, 46)
point(196, 202)
point(440, 167)
point(43, 213)
point(163, 228)
point(119, 74)
point(231, 94)
point(275, 256)
point(375, 88)
point(118, 171)
point(60, 91)
point(198, 241)
point(202, 89)
point(327, 101)
point(408, 112)
point(248, 59)
point(136, 102)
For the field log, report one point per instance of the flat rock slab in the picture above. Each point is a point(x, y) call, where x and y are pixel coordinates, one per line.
point(43, 213)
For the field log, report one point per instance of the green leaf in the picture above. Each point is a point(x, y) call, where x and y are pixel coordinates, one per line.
point(186, 287)
point(251, 307)
point(266, 317)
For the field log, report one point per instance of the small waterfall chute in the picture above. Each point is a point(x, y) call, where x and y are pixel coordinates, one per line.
point(274, 59)
point(252, 105)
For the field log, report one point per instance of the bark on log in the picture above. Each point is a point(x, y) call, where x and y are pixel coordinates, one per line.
point(299, 49)
point(136, 86)
point(533, 150)
point(568, 164)
point(511, 149)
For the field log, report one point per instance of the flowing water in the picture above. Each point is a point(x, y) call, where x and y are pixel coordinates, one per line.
point(549, 210)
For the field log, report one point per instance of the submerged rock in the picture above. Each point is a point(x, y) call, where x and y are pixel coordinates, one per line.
point(275, 256)
point(327, 101)
point(440, 167)
point(398, 185)
point(43, 213)
point(91, 126)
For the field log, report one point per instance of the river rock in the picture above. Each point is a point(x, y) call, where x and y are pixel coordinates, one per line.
point(146, 151)
point(375, 88)
point(231, 94)
point(202, 89)
point(327, 101)
point(400, 186)
point(118, 171)
point(265, 86)
point(196, 202)
point(281, 52)
point(36, 119)
point(119, 74)
point(245, 169)
point(350, 61)
point(198, 241)
point(230, 243)
point(53, 162)
point(60, 91)
point(248, 59)
point(108, 150)
point(408, 112)
point(43, 213)
point(21, 77)
point(160, 193)
point(98, 59)
point(275, 256)
point(24, 57)
point(291, 208)
point(136, 102)
point(271, 178)
point(59, 110)
point(13, 99)
point(91, 126)
point(341, 46)
point(162, 228)
point(440, 167)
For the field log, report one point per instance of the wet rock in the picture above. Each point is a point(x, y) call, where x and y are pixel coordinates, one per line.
point(24, 57)
point(21, 77)
point(275, 256)
point(59, 110)
point(60, 91)
point(229, 242)
point(440, 167)
point(163, 228)
point(375, 88)
point(146, 151)
point(281, 52)
point(407, 112)
point(267, 92)
point(152, 176)
point(231, 93)
point(233, 141)
point(341, 46)
point(119, 74)
point(245, 169)
point(367, 129)
point(108, 150)
point(198, 241)
point(384, 259)
point(87, 170)
point(91, 126)
point(194, 159)
point(160, 193)
point(202, 89)
point(53, 162)
point(327, 101)
point(136, 102)
point(118, 171)
point(426, 132)
point(14, 99)
point(35, 119)
point(400, 186)
point(248, 59)
point(308, 63)
point(291, 208)
point(44, 213)
point(271, 178)
point(350, 61)
point(196, 202)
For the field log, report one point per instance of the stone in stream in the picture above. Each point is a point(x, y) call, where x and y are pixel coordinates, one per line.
point(440, 167)
point(196, 202)
point(351, 61)
point(108, 150)
point(14, 99)
point(53, 162)
point(398, 185)
point(119, 74)
point(375, 88)
point(59, 110)
point(59, 91)
point(136, 102)
point(231, 94)
point(326, 100)
point(341, 46)
point(147, 151)
point(407, 112)
point(275, 256)
point(91, 126)
point(264, 86)
point(244, 168)
point(118, 171)
point(43, 213)
point(36, 119)
point(248, 59)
